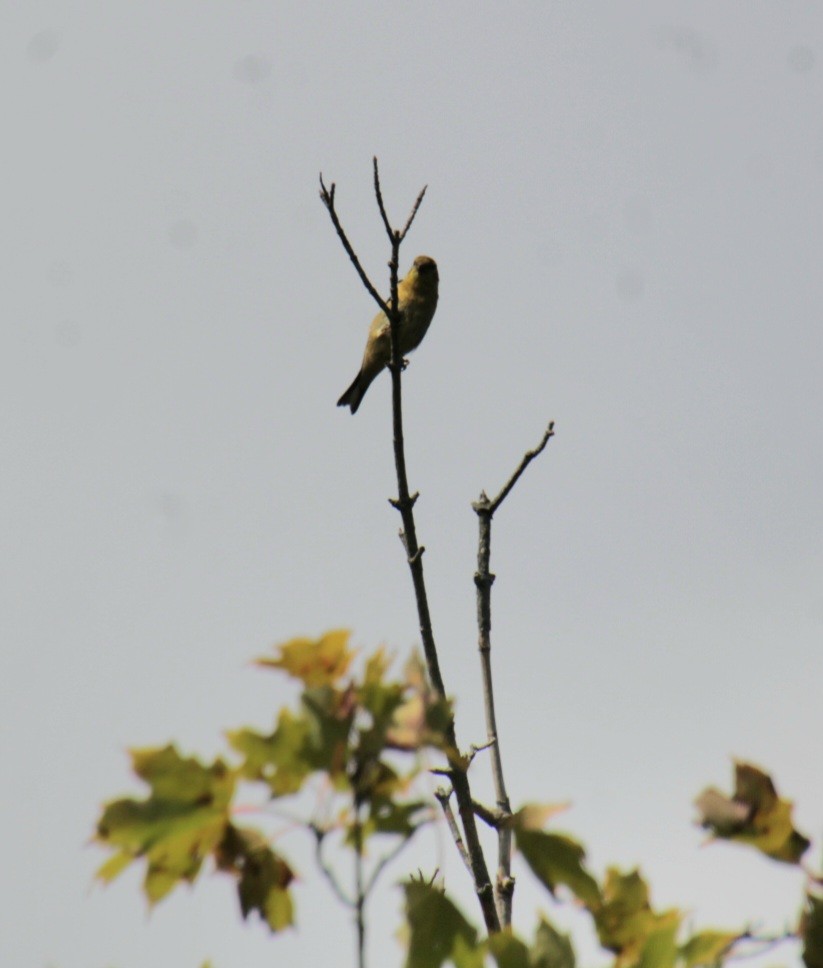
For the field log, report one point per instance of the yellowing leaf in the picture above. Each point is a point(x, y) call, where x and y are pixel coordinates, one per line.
point(627, 925)
point(659, 948)
point(175, 827)
point(281, 759)
point(754, 815)
point(114, 866)
point(555, 859)
point(625, 915)
point(722, 814)
point(706, 949)
point(535, 816)
point(316, 662)
point(377, 665)
point(314, 740)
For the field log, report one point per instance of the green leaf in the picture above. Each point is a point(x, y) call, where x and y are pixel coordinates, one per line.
point(706, 949)
point(316, 662)
point(660, 946)
point(386, 816)
point(114, 866)
point(438, 932)
point(175, 827)
point(551, 949)
point(754, 815)
point(627, 925)
point(811, 932)
point(508, 950)
point(376, 695)
point(554, 858)
point(263, 877)
point(281, 759)
point(314, 740)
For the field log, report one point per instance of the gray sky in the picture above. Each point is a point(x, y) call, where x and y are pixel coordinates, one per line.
point(625, 205)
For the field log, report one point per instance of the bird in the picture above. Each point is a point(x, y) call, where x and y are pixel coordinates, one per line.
point(417, 301)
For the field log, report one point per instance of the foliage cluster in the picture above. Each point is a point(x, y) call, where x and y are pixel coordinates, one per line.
point(365, 739)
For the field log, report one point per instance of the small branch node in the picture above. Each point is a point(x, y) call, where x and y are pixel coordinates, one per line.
point(505, 886)
point(404, 504)
point(484, 581)
point(489, 817)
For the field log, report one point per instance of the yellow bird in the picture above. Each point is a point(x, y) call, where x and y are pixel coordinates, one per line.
point(417, 297)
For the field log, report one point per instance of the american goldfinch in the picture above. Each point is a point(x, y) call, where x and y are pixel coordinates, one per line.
point(417, 298)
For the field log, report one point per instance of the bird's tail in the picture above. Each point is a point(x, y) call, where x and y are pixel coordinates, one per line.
point(355, 393)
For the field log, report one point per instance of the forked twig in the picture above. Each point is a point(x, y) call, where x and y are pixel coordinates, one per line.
point(329, 874)
point(327, 197)
point(528, 457)
point(378, 192)
point(484, 579)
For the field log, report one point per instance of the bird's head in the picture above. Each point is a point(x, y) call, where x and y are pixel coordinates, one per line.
point(425, 266)
point(424, 274)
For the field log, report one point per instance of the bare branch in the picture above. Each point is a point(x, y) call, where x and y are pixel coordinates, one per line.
point(378, 194)
point(384, 862)
point(443, 798)
point(471, 850)
point(415, 207)
point(489, 507)
point(331, 877)
point(483, 580)
point(327, 197)
point(360, 893)
point(761, 943)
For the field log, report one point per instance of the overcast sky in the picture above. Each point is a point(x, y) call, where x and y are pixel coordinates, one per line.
point(625, 205)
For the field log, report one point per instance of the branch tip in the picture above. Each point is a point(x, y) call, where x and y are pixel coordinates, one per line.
point(489, 507)
point(418, 202)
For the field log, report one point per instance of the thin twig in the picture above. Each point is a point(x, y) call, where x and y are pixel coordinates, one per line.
point(331, 877)
point(418, 202)
point(443, 797)
point(764, 943)
point(385, 860)
point(484, 579)
point(378, 194)
point(528, 457)
point(327, 196)
point(360, 898)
